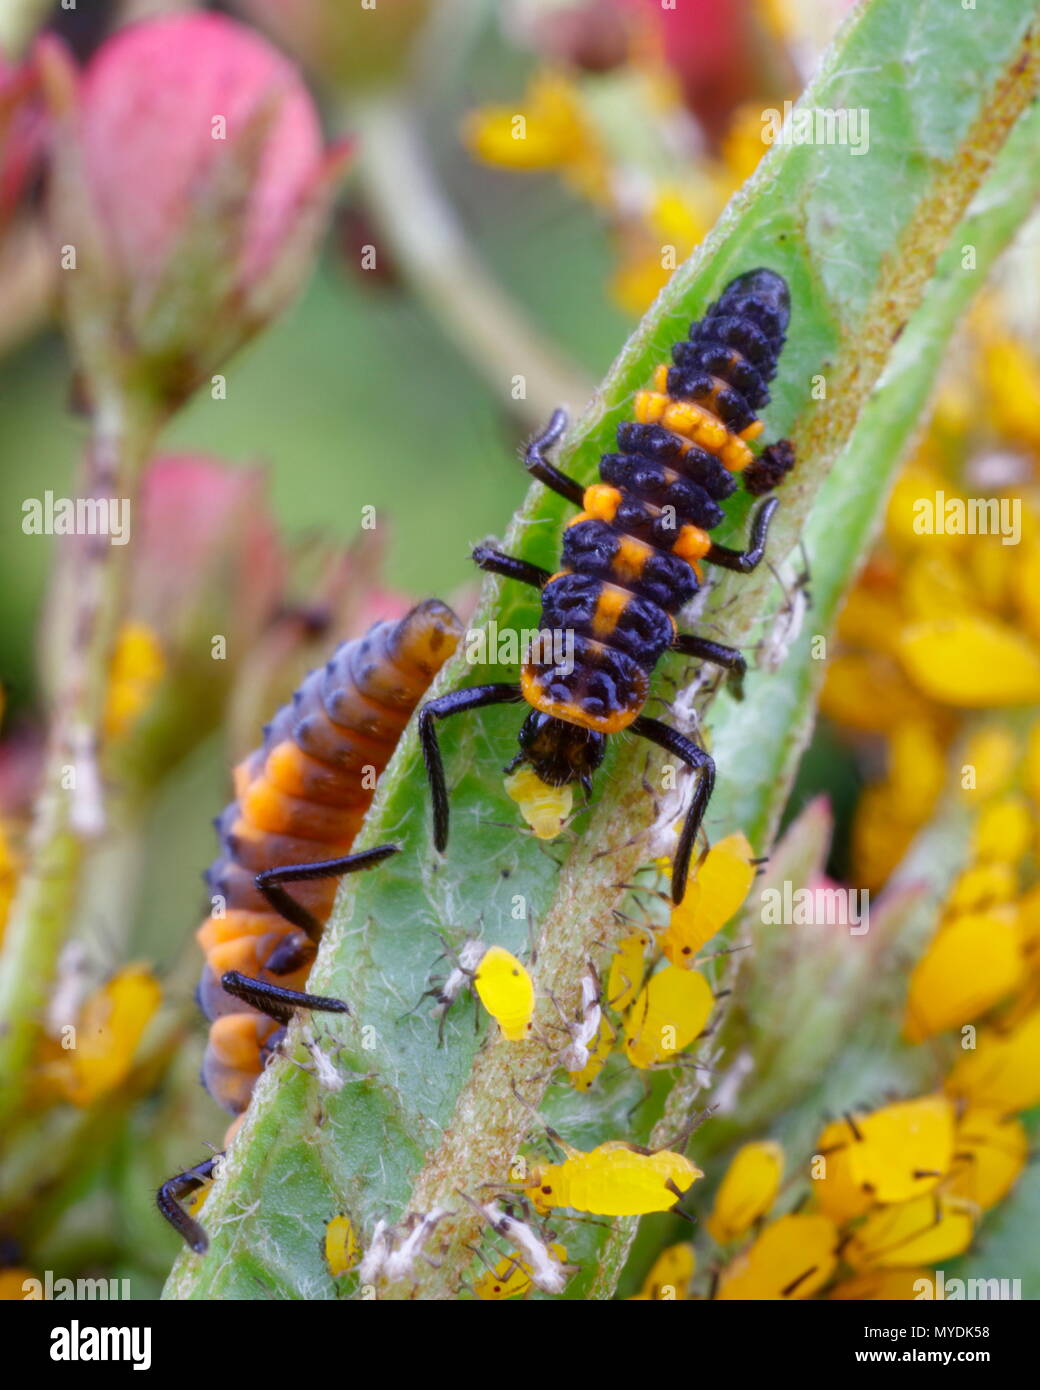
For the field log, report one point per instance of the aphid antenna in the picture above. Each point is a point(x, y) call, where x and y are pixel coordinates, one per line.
point(724, 951)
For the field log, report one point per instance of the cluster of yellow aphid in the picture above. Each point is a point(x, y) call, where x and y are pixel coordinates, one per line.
point(945, 618)
point(663, 1011)
point(95, 1053)
point(899, 1190)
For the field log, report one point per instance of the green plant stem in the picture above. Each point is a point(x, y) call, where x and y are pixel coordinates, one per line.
point(69, 809)
point(431, 250)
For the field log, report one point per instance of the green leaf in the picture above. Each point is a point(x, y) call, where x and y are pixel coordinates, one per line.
point(858, 238)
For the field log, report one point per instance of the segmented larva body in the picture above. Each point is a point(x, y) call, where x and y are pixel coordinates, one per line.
point(300, 799)
point(631, 558)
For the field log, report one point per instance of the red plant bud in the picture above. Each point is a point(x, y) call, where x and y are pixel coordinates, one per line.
point(714, 50)
point(21, 133)
point(191, 182)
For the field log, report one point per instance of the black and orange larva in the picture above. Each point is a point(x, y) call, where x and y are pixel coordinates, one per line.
point(300, 801)
point(631, 559)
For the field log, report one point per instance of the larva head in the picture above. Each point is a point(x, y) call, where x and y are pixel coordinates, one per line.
point(558, 752)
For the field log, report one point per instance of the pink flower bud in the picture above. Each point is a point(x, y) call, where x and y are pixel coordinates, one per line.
point(191, 182)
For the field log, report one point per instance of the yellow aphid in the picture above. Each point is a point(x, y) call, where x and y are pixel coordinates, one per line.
point(598, 1053)
point(916, 769)
point(138, 665)
point(627, 968)
point(511, 1277)
point(971, 662)
point(1029, 921)
point(982, 886)
point(110, 1026)
point(506, 991)
point(836, 1188)
point(1003, 831)
point(904, 1149)
point(615, 1179)
point(747, 1191)
point(871, 619)
point(716, 892)
point(1031, 766)
point(669, 1012)
point(792, 1258)
point(868, 692)
point(883, 1286)
point(195, 1201)
point(670, 1276)
point(1012, 388)
point(1003, 1069)
point(547, 133)
point(544, 808)
point(342, 1249)
point(936, 585)
point(879, 837)
point(971, 964)
point(991, 1151)
point(994, 754)
point(924, 1231)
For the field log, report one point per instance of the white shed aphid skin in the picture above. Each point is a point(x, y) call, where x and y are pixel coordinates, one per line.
point(388, 1261)
point(469, 957)
point(546, 1270)
point(788, 620)
point(575, 1055)
point(375, 1256)
point(399, 1263)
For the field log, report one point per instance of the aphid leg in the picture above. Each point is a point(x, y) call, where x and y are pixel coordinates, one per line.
point(173, 1191)
point(276, 1001)
point(568, 1150)
point(269, 883)
point(496, 562)
point(728, 657)
point(456, 702)
point(539, 466)
point(698, 761)
point(677, 1209)
point(745, 561)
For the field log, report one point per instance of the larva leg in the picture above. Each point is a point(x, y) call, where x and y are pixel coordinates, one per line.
point(495, 562)
point(171, 1194)
point(269, 883)
point(539, 466)
point(457, 702)
point(698, 761)
point(276, 1001)
point(744, 561)
point(728, 657)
